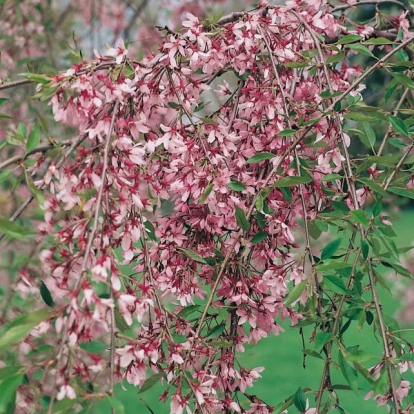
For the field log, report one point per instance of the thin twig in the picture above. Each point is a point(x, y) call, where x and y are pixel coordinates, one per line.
point(367, 2)
point(13, 84)
point(91, 238)
point(40, 148)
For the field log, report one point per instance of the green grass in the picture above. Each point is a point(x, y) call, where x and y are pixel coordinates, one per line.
point(283, 359)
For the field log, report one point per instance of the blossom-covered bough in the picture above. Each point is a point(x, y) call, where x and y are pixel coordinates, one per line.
point(170, 222)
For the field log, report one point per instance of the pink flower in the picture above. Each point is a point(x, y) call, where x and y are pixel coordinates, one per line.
point(118, 53)
point(66, 391)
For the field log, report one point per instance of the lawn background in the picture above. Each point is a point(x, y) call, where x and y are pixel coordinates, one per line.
point(282, 358)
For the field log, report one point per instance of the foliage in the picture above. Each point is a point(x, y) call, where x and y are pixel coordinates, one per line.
point(167, 239)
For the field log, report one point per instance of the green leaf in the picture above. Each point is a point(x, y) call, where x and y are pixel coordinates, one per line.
point(299, 400)
point(13, 230)
point(314, 230)
point(236, 185)
point(403, 79)
point(378, 41)
point(351, 38)
point(401, 270)
point(287, 133)
point(21, 129)
point(296, 64)
point(295, 293)
point(364, 249)
point(192, 255)
point(311, 353)
point(409, 159)
point(8, 391)
point(369, 132)
point(291, 181)
point(151, 381)
point(332, 265)
point(37, 194)
point(3, 101)
point(241, 219)
point(336, 284)
point(222, 344)
point(18, 329)
point(360, 49)
point(188, 310)
point(348, 372)
point(173, 105)
point(339, 57)
point(360, 117)
point(259, 237)
point(208, 121)
point(34, 138)
point(360, 216)
point(332, 177)
point(398, 125)
point(260, 157)
point(4, 175)
point(396, 143)
point(11, 371)
point(93, 347)
point(373, 186)
point(37, 78)
point(281, 407)
point(260, 202)
point(216, 331)
point(403, 192)
point(120, 322)
point(361, 356)
point(330, 249)
point(407, 357)
point(46, 296)
point(206, 193)
point(321, 339)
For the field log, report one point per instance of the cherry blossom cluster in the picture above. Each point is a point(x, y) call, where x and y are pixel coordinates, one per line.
point(169, 229)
